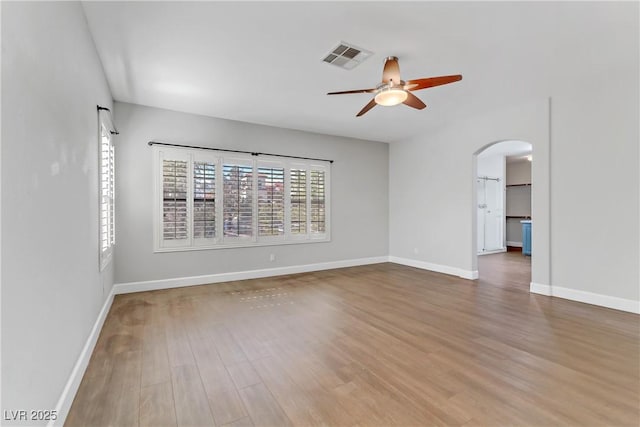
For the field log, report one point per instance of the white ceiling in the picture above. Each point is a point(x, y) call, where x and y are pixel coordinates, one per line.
point(261, 62)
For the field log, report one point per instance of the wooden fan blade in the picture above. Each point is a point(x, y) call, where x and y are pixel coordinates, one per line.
point(391, 70)
point(431, 82)
point(367, 107)
point(353, 91)
point(414, 102)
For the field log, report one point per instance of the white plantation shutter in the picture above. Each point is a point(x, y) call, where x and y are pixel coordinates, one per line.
point(173, 169)
point(204, 200)
point(107, 187)
point(237, 199)
point(270, 201)
point(298, 197)
point(317, 202)
point(174, 199)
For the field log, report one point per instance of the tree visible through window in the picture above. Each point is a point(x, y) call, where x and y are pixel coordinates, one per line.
point(204, 200)
point(318, 219)
point(174, 199)
point(298, 201)
point(270, 201)
point(237, 200)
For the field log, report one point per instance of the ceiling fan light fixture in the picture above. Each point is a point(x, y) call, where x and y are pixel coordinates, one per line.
point(393, 90)
point(391, 96)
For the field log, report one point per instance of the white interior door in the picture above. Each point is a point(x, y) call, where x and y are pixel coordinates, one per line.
point(490, 215)
point(480, 184)
point(493, 222)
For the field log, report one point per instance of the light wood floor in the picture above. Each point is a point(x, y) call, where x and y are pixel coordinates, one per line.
point(375, 345)
point(509, 270)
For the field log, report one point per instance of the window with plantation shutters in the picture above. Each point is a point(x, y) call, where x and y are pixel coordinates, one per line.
point(107, 188)
point(206, 200)
point(271, 201)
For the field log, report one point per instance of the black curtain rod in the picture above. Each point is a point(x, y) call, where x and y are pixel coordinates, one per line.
point(253, 153)
point(114, 131)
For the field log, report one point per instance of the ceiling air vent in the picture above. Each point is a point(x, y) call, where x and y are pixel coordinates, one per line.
point(347, 56)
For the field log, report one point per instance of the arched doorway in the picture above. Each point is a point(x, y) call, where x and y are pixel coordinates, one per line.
point(503, 218)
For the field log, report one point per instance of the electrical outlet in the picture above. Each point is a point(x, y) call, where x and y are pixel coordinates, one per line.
point(272, 257)
point(415, 251)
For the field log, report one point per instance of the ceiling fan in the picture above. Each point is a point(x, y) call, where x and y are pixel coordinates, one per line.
point(393, 91)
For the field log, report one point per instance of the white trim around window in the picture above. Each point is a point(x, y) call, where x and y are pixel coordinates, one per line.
point(211, 200)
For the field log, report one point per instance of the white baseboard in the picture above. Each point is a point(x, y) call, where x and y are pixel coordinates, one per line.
point(514, 244)
point(616, 303)
point(538, 288)
point(150, 285)
point(454, 271)
point(73, 383)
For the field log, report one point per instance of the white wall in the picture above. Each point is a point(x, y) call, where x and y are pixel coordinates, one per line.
point(491, 165)
point(438, 171)
point(52, 289)
point(585, 192)
point(518, 172)
point(359, 194)
point(595, 186)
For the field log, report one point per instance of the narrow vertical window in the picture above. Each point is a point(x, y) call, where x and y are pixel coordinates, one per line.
point(107, 187)
point(298, 194)
point(237, 200)
point(204, 200)
point(174, 200)
point(270, 201)
point(317, 188)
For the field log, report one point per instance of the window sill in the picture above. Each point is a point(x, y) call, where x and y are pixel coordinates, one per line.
point(241, 245)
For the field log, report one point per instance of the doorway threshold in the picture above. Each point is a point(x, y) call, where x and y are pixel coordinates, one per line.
point(495, 251)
